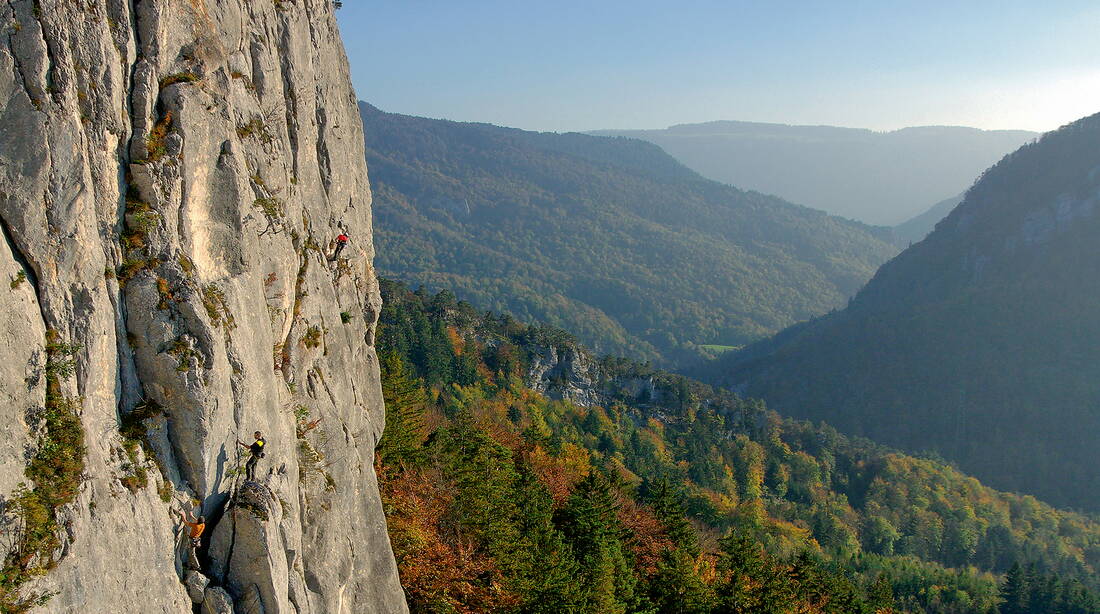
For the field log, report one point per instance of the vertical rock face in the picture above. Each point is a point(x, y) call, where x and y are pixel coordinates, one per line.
point(564, 372)
point(173, 174)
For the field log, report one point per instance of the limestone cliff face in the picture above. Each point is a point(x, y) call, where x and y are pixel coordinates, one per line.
point(571, 373)
point(172, 176)
point(568, 372)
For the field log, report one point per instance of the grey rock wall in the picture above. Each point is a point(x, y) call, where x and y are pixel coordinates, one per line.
point(564, 373)
point(172, 176)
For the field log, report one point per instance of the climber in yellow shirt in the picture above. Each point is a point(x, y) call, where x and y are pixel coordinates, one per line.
point(256, 452)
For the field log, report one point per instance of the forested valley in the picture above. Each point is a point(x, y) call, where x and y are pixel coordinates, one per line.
point(980, 342)
point(521, 474)
point(609, 238)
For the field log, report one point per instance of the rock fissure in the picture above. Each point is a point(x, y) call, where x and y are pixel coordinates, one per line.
point(53, 86)
point(233, 535)
point(12, 27)
point(22, 260)
point(14, 33)
point(132, 388)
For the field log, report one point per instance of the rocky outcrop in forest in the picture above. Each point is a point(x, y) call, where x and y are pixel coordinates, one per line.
point(172, 177)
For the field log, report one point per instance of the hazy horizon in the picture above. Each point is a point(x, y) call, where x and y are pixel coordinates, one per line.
point(810, 125)
point(1007, 65)
point(717, 121)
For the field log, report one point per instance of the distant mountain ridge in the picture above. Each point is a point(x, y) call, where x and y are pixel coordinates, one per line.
point(609, 237)
point(876, 177)
point(918, 227)
point(981, 342)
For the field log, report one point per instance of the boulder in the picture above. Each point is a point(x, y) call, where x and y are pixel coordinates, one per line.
point(217, 601)
point(196, 584)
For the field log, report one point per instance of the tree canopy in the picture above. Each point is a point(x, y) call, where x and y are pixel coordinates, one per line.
point(666, 495)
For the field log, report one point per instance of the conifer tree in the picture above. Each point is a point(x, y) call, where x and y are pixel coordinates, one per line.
point(405, 401)
point(1014, 591)
point(676, 587)
point(590, 525)
point(484, 477)
point(880, 594)
point(666, 502)
point(746, 566)
point(546, 573)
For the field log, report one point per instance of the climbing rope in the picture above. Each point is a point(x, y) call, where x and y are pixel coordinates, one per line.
point(236, 469)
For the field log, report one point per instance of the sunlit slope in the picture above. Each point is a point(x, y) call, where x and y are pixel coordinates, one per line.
point(608, 237)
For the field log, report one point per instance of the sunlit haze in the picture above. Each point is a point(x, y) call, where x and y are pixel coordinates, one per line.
point(574, 65)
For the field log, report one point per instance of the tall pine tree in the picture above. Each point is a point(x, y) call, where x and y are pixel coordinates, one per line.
point(1014, 591)
point(667, 503)
point(405, 402)
point(591, 527)
point(546, 573)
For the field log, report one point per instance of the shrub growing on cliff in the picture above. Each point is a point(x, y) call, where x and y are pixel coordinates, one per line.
point(255, 128)
point(272, 207)
point(55, 472)
point(59, 358)
point(155, 142)
point(134, 434)
point(133, 265)
point(180, 77)
point(184, 354)
point(213, 299)
point(312, 337)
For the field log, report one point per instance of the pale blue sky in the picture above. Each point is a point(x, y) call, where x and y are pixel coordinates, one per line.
point(572, 65)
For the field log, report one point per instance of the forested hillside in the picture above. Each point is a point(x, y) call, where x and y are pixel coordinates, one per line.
point(607, 237)
point(650, 492)
point(981, 342)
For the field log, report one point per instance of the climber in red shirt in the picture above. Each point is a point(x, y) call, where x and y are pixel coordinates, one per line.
point(341, 243)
